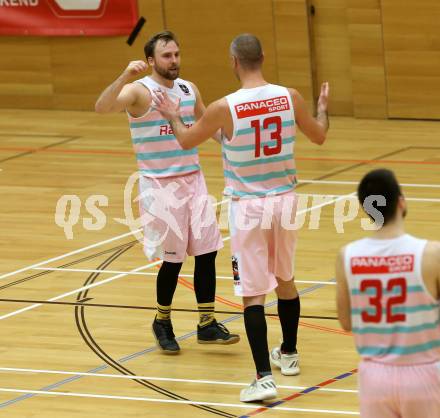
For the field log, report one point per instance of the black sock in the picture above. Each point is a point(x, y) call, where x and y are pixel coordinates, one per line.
point(166, 282)
point(204, 287)
point(205, 278)
point(288, 312)
point(256, 331)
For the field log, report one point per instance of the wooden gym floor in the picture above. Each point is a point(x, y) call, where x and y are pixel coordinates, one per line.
point(76, 313)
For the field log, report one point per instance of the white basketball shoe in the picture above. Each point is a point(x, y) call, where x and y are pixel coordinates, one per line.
point(288, 363)
point(259, 390)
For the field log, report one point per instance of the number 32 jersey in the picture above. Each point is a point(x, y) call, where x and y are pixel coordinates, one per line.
point(395, 319)
point(258, 159)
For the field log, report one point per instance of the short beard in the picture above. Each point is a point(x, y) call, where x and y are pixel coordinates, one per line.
point(167, 74)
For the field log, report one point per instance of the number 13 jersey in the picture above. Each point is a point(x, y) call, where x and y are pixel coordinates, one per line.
point(395, 319)
point(258, 159)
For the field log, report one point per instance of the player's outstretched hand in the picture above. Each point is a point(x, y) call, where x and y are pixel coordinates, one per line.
point(323, 97)
point(162, 102)
point(135, 68)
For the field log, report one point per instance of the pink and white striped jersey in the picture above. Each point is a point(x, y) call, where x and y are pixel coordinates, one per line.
point(258, 159)
point(395, 319)
point(158, 152)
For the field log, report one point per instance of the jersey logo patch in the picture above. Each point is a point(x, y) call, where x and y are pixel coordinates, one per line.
point(262, 107)
point(185, 89)
point(235, 271)
point(382, 265)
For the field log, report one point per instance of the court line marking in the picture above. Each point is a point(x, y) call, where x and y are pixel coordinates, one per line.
point(371, 161)
point(275, 404)
point(134, 398)
point(60, 257)
point(138, 354)
point(110, 279)
point(301, 323)
point(216, 155)
point(355, 413)
point(89, 247)
point(422, 199)
point(161, 379)
point(43, 148)
point(72, 292)
point(304, 158)
point(409, 199)
point(321, 205)
point(155, 274)
point(355, 183)
point(216, 204)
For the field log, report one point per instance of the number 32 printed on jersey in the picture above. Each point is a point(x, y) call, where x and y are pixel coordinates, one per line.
point(376, 300)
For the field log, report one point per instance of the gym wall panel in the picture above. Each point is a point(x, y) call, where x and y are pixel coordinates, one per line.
point(367, 59)
point(206, 29)
point(332, 56)
point(412, 52)
point(25, 73)
point(71, 72)
point(68, 72)
point(293, 46)
point(83, 67)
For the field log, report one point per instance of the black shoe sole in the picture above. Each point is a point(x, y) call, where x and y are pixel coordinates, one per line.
point(168, 352)
point(232, 340)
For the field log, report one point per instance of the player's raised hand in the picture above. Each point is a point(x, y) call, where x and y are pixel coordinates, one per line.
point(135, 68)
point(323, 97)
point(163, 103)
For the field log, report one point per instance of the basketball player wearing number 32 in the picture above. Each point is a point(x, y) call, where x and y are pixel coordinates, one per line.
point(388, 291)
point(259, 126)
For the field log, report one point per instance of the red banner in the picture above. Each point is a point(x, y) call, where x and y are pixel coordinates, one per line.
point(67, 17)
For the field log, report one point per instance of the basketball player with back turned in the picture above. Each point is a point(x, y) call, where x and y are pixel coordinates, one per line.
point(388, 292)
point(259, 126)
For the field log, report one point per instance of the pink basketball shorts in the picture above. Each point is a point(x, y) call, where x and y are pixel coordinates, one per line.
point(263, 242)
point(178, 217)
point(395, 391)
